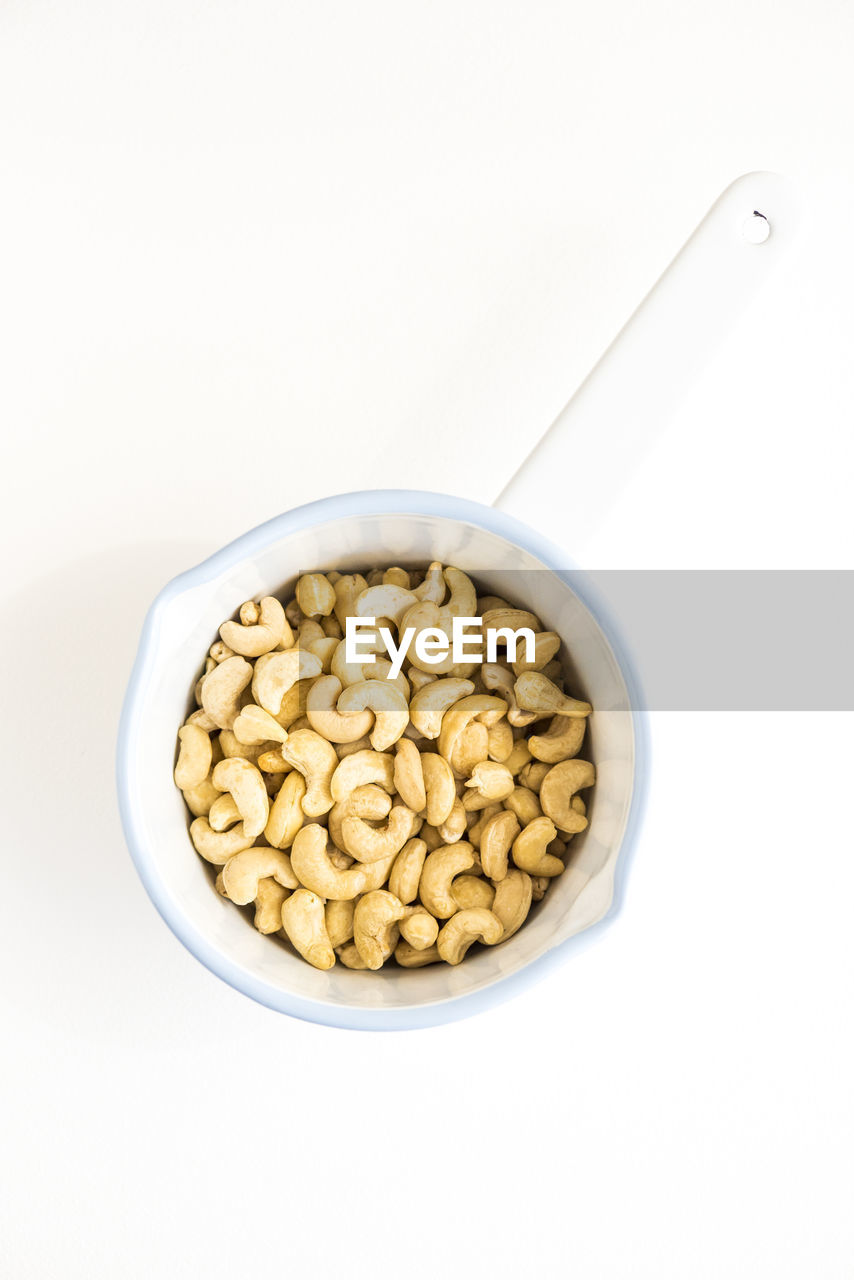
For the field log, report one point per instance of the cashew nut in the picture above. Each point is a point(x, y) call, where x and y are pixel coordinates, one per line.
point(409, 957)
point(268, 905)
point(221, 690)
point(471, 748)
point(286, 813)
point(373, 844)
point(495, 842)
point(276, 673)
point(438, 872)
point(375, 930)
point(247, 789)
point(546, 645)
point(339, 921)
point(429, 704)
point(558, 789)
point(499, 741)
point(315, 595)
point(325, 718)
point(254, 726)
point(218, 846)
point(471, 891)
point(406, 871)
point(264, 635)
point(491, 781)
point(464, 928)
point(524, 803)
point(304, 922)
point(194, 757)
point(349, 956)
point(409, 775)
point(368, 801)
point(223, 813)
point(242, 873)
point(529, 849)
point(386, 702)
point(478, 706)
point(360, 768)
point(455, 824)
point(313, 868)
point(347, 589)
point(419, 928)
point(512, 901)
point(561, 741)
point(385, 601)
point(316, 760)
point(200, 799)
point(432, 588)
point(496, 676)
point(536, 692)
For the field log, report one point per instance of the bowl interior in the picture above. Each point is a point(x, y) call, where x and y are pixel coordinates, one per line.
point(186, 621)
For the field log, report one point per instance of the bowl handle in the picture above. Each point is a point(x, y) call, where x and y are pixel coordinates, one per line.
point(568, 483)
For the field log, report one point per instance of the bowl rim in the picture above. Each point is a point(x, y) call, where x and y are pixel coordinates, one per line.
point(363, 503)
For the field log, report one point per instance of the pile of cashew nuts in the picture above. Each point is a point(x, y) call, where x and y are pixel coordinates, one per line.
point(367, 817)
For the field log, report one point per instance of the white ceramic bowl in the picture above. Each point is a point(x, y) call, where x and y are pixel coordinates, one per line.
point(349, 532)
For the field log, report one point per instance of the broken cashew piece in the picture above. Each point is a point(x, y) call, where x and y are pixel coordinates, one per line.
point(304, 922)
point(242, 873)
point(464, 928)
point(194, 757)
point(375, 930)
point(246, 787)
point(270, 629)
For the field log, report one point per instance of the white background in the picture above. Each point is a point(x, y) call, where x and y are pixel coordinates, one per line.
point(253, 254)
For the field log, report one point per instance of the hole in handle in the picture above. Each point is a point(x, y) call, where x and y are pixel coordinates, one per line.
point(756, 228)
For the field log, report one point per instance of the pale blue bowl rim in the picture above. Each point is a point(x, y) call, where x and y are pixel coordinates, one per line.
point(367, 503)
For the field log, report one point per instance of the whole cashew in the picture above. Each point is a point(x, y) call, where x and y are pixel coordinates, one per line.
point(254, 725)
point(519, 756)
point(496, 840)
point(524, 803)
point(375, 844)
point(194, 757)
point(317, 762)
point(221, 690)
point(276, 673)
point(247, 789)
point(535, 692)
point(360, 768)
point(252, 641)
point(546, 645)
point(426, 616)
point(315, 595)
point(368, 801)
point(347, 589)
point(467, 927)
point(561, 741)
point(388, 705)
point(409, 957)
point(218, 846)
point(200, 799)
point(512, 618)
point(419, 928)
point(499, 741)
point(406, 871)
point(462, 601)
point(470, 749)
point(429, 704)
point(409, 775)
point(223, 813)
point(512, 901)
point(477, 822)
point(231, 747)
point(268, 905)
point(313, 868)
point(529, 849)
point(339, 921)
point(385, 601)
point(242, 873)
point(375, 930)
point(439, 788)
point(438, 872)
point(491, 781)
point(535, 771)
point(325, 718)
point(558, 789)
point(455, 824)
point(286, 814)
point(471, 891)
point(304, 922)
point(349, 956)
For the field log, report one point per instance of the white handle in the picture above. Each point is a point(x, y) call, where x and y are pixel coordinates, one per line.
point(640, 379)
